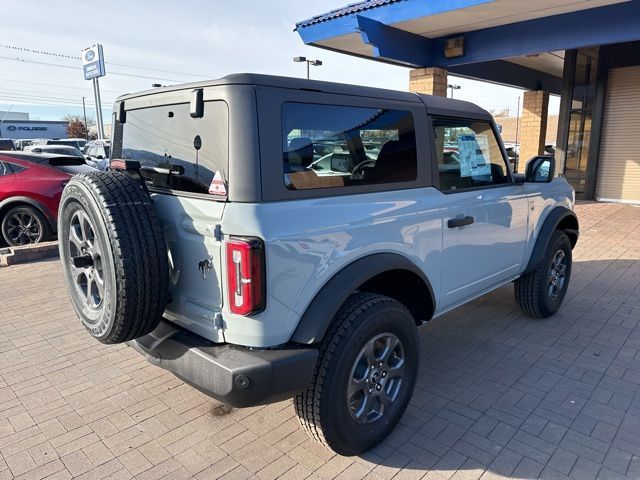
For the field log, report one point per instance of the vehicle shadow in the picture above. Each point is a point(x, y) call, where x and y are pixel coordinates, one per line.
point(520, 397)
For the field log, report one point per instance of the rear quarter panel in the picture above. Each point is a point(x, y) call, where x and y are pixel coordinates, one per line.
point(309, 241)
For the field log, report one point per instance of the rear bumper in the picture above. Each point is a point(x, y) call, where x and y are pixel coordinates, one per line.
point(234, 375)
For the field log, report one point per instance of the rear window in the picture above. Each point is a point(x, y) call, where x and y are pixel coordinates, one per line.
point(167, 136)
point(330, 146)
point(74, 152)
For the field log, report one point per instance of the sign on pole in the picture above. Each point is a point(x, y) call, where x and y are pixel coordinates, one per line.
point(93, 62)
point(93, 67)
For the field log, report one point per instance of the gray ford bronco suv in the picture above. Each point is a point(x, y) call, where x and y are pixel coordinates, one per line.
point(266, 238)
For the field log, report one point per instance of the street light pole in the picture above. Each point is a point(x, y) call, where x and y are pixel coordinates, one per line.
point(453, 87)
point(315, 63)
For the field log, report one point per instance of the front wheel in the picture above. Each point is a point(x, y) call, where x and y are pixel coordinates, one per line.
point(364, 377)
point(540, 293)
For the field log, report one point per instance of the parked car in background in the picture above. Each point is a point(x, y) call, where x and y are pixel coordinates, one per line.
point(7, 144)
point(78, 143)
point(20, 144)
point(30, 189)
point(97, 153)
point(54, 149)
point(81, 142)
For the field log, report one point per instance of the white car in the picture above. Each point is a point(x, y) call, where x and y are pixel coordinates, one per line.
point(97, 153)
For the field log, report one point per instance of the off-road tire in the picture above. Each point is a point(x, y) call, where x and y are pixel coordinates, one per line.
point(133, 255)
point(531, 290)
point(44, 228)
point(322, 408)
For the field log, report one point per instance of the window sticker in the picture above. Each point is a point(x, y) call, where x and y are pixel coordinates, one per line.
point(473, 151)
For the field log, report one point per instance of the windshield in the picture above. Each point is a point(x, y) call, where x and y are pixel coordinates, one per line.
point(168, 136)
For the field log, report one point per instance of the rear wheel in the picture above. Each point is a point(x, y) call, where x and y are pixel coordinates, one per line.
point(25, 225)
point(541, 292)
point(364, 377)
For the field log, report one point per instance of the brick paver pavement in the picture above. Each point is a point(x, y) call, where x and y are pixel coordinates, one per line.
point(498, 394)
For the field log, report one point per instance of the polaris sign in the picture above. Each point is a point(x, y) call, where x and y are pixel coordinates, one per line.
point(93, 62)
point(13, 128)
point(33, 129)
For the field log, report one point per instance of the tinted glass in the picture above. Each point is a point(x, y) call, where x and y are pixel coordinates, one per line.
point(468, 155)
point(7, 145)
point(15, 168)
point(74, 152)
point(165, 136)
point(327, 146)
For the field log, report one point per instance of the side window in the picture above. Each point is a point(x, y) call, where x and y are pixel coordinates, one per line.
point(329, 146)
point(468, 154)
point(11, 168)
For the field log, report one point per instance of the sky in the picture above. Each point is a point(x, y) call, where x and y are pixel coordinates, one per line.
point(171, 42)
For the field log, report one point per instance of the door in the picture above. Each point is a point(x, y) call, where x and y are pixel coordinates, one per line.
point(484, 214)
point(181, 155)
point(619, 164)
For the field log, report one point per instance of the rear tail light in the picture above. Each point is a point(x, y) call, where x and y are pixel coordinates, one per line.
point(245, 275)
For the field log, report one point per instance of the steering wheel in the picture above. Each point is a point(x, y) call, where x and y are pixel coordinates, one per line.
point(358, 171)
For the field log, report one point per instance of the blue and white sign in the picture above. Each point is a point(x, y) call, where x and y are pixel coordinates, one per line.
point(93, 62)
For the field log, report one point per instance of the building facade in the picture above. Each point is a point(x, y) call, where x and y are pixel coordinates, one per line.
point(18, 126)
point(587, 52)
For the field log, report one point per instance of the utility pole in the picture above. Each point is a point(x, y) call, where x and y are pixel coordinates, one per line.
point(86, 127)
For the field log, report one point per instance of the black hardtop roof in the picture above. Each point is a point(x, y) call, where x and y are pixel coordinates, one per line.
point(439, 103)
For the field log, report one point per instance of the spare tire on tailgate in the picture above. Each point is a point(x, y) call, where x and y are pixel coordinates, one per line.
point(114, 256)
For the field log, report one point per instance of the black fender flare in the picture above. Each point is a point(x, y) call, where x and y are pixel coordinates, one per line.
point(557, 215)
point(8, 203)
point(319, 314)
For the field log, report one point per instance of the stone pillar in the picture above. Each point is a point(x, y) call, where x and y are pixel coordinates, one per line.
point(432, 81)
point(534, 125)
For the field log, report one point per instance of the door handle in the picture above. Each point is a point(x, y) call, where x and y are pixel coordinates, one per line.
point(459, 222)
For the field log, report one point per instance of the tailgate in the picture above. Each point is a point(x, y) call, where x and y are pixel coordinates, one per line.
point(194, 259)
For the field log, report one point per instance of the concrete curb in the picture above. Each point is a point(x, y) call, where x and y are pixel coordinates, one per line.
point(29, 253)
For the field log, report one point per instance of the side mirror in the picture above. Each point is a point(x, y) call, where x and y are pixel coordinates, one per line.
point(87, 157)
point(340, 163)
point(540, 169)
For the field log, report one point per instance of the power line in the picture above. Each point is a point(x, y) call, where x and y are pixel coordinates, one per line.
point(54, 85)
point(59, 65)
point(71, 57)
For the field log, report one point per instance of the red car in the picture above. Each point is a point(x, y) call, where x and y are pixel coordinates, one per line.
point(30, 189)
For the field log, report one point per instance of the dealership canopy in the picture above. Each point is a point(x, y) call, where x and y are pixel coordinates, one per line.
point(512, 42)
